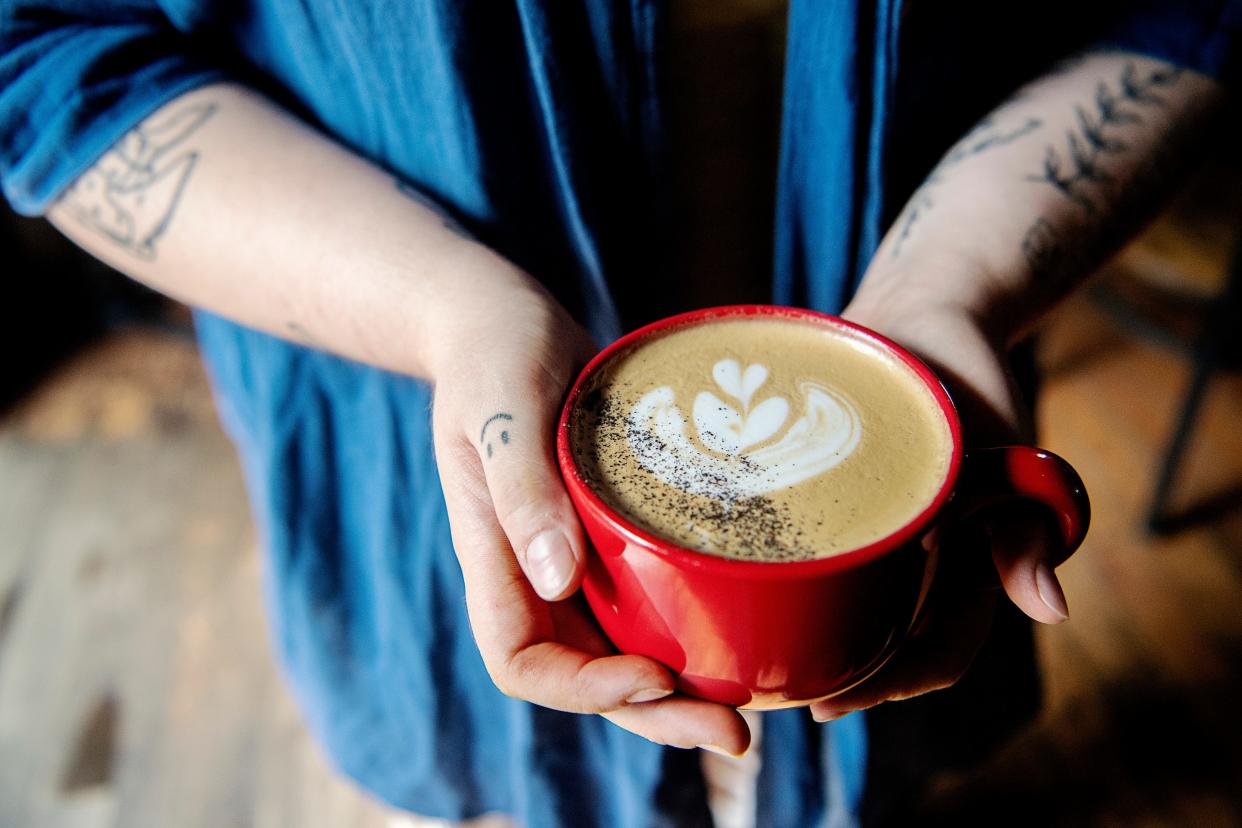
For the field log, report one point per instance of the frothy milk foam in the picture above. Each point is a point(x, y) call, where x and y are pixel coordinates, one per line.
point(767, 438)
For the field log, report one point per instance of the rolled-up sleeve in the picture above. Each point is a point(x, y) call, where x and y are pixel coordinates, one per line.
point(75, 76)
point(1204, 35)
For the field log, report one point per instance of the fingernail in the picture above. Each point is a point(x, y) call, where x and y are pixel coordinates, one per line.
point(826, 717)
point(549, 562)
point(650, 694)
point(721, 751)
point(1050, 591)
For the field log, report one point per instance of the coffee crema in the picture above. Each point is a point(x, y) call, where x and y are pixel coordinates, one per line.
point(763, 438)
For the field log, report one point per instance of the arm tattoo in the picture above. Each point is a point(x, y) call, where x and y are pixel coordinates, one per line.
point(983, 137)
point(302, 335)
point(504, 433)
point(1042, 247)
point(1075, 169)
point(130, 195)
point(1052, 252)
point(414, 194)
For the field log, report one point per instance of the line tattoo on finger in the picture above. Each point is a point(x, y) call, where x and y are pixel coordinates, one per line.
point(500, 434)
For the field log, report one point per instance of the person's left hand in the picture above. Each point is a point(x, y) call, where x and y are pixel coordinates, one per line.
point(958, 614)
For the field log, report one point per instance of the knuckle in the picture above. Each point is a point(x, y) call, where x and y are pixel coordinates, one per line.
point(550, 377)
point(523, 514)
point(931, 685)
point(659, 739)
point(639, 726)
point(474, 496)
point(503, 687)
point(503, 682)
point(585, 691)
point(544, 369)
point(512, 675)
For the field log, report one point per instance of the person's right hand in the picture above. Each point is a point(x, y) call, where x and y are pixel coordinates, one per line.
point(500, 377)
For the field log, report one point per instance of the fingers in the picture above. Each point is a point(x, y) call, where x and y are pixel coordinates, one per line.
point(522, 550)
point(558, 676)
point(515, 444)
point(933, 660)
point(683, 722)
point(550, 654)
point(959, 612)
point(1022, 544)
point(515, 629)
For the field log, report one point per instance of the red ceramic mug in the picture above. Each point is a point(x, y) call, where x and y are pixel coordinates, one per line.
point(767, 635)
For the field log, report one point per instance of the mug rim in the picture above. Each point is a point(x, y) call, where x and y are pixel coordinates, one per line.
point(694, 559)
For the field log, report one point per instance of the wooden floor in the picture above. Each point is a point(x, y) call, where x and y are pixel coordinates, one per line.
point(137, 687)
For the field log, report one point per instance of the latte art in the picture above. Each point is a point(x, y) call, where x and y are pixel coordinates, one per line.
point(764, 438)
point(723, 428)
point(728, 466)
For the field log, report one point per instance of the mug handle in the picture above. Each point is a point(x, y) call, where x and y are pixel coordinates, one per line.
point(991, 476)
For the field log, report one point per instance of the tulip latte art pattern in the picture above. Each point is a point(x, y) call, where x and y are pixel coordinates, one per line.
point(766, 439)
point(729, 467)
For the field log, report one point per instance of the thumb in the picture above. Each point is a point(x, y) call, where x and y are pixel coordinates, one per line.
point(516, 445)
point(1023, 543)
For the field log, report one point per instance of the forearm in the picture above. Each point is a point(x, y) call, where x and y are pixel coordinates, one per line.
point(1043, 189)
point(225, 202)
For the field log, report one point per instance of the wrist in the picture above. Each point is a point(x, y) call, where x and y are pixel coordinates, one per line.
point(941, 287)
point(479, 294)
point(970, 363)
point(498, 329)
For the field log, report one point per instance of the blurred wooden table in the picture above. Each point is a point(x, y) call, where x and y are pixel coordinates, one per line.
point(136, 683)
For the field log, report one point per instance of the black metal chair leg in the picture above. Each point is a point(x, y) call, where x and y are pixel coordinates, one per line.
point(1219, 333)
point(1205, 366)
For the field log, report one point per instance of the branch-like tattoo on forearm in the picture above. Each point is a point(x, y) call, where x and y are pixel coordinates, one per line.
point(1073, 246)
point(500, 418)
point(985, 136)
point(1112, 201)
point(1042, 247)
point(131, 194)
point(1076, 169)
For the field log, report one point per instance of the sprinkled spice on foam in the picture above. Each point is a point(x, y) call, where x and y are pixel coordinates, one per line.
point(751, 528)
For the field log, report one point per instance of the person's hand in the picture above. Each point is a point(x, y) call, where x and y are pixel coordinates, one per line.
point(953, 342)
point(500, 375)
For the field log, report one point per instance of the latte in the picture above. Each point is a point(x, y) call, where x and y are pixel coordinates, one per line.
point(765, 438)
